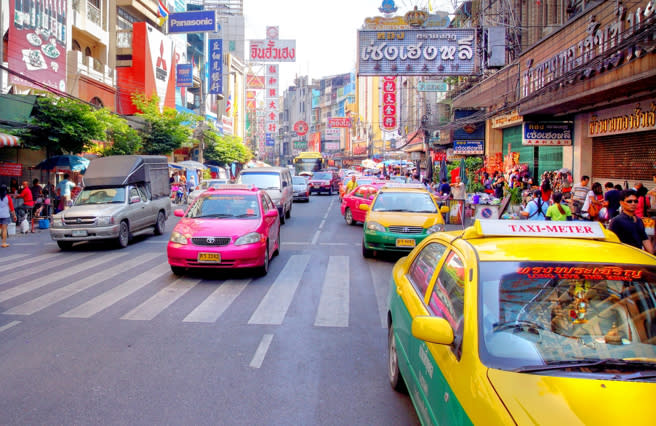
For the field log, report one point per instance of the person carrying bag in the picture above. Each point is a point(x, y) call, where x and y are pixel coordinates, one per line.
point(7, 213)
point(594, 202)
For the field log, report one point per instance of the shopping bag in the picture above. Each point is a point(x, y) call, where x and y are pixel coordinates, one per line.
point(25, 226)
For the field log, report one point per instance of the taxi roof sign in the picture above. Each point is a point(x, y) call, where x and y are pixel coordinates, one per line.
point(232, 187)
point(539, 228)
point(404, 185)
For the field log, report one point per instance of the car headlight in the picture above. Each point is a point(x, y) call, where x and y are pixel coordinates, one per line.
point(177, 237)
point(57, 222)
point(250, 238)
point(105, 220)
point(375, 226)
point(435, 228)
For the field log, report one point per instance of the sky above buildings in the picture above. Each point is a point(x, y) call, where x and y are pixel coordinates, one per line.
point(325, 31)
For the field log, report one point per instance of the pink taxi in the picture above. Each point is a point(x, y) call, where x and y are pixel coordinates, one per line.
point(363, 194)
point(230, 226)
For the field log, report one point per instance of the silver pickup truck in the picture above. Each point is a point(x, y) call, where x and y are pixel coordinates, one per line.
point(123, 196)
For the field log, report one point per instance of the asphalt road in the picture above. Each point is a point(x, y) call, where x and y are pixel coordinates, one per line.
point(105, 336)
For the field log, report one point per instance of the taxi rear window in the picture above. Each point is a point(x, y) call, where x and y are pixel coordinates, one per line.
point(537, 313)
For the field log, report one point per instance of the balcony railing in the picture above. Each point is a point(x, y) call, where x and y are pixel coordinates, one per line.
point(93, 14)
point(124, 39)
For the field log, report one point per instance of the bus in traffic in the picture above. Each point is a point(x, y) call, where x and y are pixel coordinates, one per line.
point(308, 162)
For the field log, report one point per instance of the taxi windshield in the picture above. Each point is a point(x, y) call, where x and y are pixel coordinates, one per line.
point(226, 206)
point(537, 316)
point(413, 202)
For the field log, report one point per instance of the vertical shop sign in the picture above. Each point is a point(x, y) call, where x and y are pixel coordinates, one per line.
point(216, 67)
point(37, 42)
point(272, 98)
point(389, 103)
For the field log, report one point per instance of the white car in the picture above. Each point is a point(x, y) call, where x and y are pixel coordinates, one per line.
point(211, 183)
point(301, 188)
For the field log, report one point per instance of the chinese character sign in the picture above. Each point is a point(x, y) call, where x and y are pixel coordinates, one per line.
point(216, 66)
point(389, 103)
point(272, 98)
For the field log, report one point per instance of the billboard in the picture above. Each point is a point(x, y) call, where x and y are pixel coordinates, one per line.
point(417, 52)
point(549, 134)
point(272, 51)
point(339, 122)
point(216, 66)
point(37, 43)
point(184, 75)
point(198, 21)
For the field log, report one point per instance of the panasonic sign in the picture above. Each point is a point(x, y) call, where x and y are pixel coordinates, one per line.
point(193, 22)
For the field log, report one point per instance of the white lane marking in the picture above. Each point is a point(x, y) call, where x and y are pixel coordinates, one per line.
point(71, 271)
point(43, 266)
point(217, 302)
point(315, 238)
point(30, 263)
point(87, 281)
point(260, 353)
point(9, 325)
point(333, 308)
point(323, 222)
point(107, 299)
point(381, 277)
point(294, 243)
point(276, 301)
point(12, 257)
point(162, 300)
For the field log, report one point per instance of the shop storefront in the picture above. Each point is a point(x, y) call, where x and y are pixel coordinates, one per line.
point(624, 142)
point(541, 154)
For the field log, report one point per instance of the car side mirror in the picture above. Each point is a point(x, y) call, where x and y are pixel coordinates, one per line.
point(364, 207)
point(178, 213)
point(444, 209)
point(372, 196)
point(433, 330)
point(135, 199)
point(271, 213)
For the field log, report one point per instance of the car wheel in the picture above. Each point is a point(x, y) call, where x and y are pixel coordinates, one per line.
point(348, 217)
point(264, 269)
point(160, 224)
point(65, 245)
point(366, 253)
point(277, 252)
point(177, 270)
point(393, 372)
point(282, 219)
point(289, 212)
point(123, 235)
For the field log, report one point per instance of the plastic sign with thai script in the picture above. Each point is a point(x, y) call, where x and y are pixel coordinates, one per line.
point(537, 228)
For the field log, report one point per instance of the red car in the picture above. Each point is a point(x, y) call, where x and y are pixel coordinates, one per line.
point(324, 181)
point(363, 194)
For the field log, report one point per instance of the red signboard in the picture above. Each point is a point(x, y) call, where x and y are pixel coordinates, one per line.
point(389, 103)
point(254, 81)
point(339, 122)
point(301, 128)
point(37, 43)
point(314, 144)
point(11, 169)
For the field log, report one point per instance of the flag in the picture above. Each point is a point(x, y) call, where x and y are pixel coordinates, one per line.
point(228, 105)
point(430, 6)
point(163, 12)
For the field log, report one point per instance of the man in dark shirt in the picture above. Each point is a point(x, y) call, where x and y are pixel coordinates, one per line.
point(612, 196)
point(445, 189)
point(629, 228)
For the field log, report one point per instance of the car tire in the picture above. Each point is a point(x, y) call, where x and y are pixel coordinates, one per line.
point(65, 245)
point(264, 269)
point(123, 235)
point(289, 212)
point(348, 217)
point(177, 270)
point(277, 252)
point(393, 372)
point(282, 219)
point(366, 253)
point(160, 225)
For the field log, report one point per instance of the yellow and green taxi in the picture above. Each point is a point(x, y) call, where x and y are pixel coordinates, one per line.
point(525, 322)
point(399, 218)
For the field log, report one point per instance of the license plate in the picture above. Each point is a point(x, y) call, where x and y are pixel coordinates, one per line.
point(209, 257)
point(405, 242)
point(316, 185)
point(79, 233)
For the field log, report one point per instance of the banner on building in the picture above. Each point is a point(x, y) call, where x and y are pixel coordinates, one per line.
point(197, 21)
point(547, 134)
point(314, 142)
point(432, 86)
point(332, 134)
point(469, 147)
point(254, 81)
point(272, 98)
point(450, 51)
point(272, 50)
point(389, 103)
point(342, 122)
point(184, 75)
point(216, 66)
point(36, 45)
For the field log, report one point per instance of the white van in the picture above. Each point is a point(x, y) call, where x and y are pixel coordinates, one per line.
point(277, 182)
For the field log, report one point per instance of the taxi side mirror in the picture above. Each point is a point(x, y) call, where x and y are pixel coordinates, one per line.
point(178, 213)
point(271, 213)
point(364, 207)
point(444, 209)
point(433, 330)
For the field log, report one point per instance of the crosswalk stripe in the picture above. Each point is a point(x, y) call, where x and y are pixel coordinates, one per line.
point(11, 258)
point(48, 299)
point(118, 293)
point(29, 262)
point(333, 308)
point(9, 325)
point(261, 351)
point(273, 307)
point(41, 267)
point(217, 302)
point(162, 300)
point(71, 271)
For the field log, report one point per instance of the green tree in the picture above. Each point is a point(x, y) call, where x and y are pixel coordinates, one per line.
point(62, 125)
point(164, 131)
point(125, 140)
point(225, 149)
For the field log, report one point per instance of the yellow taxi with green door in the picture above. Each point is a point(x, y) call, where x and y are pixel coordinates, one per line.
point(400, 217)
point(525, 322)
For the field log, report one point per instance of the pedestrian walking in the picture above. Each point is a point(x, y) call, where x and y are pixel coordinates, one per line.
point(579, 194)
point(7, 213)
point(64, 190)
point(612, 197)
point(627, 226)
point(558, 211)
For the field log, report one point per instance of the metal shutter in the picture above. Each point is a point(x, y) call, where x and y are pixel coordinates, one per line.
point(625, 157)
